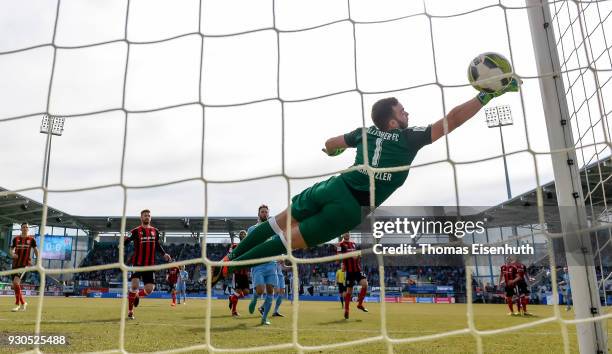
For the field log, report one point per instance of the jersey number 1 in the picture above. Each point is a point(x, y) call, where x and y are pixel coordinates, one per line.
point(377, 152)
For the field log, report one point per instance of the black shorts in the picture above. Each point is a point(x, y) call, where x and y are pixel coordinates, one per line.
point(18, 267)
point(510, 290)
point(341, 288)
point(18, 275)
point(171, 287)
point(241, 281)
point(353, 278)
point(523, 289)
point(146, 277)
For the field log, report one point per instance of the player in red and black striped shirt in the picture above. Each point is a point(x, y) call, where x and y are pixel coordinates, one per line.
point(507, 275)
point(241, 281)
point(172, 279)
point(146, 244)
point(520, 282)
point(352, 269)
point(21, 248)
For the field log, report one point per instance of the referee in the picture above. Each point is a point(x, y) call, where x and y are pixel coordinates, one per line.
point(340, 280)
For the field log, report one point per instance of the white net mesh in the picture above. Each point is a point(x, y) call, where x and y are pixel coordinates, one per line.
point(580, 27)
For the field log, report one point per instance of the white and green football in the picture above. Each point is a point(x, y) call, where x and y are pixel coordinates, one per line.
point(490, 72)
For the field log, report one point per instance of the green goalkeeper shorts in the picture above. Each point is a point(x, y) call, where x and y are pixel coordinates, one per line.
point(325, 211)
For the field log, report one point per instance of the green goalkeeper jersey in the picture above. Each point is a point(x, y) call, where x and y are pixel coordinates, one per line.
point(385, 149)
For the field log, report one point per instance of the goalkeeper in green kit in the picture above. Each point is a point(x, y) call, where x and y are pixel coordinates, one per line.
point(332, 207)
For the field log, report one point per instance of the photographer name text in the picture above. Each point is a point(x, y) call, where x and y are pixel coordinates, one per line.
point(473, 249)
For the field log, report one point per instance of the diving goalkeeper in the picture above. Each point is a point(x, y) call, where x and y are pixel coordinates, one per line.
point(332, 207)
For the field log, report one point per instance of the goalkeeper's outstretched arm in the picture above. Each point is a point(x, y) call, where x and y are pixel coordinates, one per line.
point(335, 146)
point(455, 118)
point(467, 110)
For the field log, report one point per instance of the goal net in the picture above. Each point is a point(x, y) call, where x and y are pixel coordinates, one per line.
point(239, 89)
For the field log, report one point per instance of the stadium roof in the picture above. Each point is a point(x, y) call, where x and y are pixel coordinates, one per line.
point(170, 224)
point(16, 208)
point(520, 210)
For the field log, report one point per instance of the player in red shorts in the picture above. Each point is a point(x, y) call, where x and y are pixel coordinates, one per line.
point(352, 268)
point(172, 279)
point(507, 275)
point(520, 282)
point(20, 251)
point(241, 281)
point(146, 244)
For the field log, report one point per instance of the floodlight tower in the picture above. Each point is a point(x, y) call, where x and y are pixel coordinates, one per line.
point(499, 116)
point(50, 125)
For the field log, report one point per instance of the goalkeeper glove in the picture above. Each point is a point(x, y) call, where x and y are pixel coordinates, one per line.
point(513, 86)
point(335, 152)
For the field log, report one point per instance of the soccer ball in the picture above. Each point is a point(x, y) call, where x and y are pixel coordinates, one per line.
point(490, 72)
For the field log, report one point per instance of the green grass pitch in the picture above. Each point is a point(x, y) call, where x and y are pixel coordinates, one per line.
point(93, 325)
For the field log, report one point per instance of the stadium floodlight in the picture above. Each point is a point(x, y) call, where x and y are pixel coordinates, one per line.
point(56, 124)
point(50, 125)
point(500, 116)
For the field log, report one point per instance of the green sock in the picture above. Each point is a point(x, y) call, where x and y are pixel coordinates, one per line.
point(272, 247)
point(259, 234)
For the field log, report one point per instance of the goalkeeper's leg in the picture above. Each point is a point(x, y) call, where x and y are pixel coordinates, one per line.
point(318, 214)
point(330, 222)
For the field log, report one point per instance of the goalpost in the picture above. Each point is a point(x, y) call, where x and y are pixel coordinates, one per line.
point(590, 320)
point(592, 336)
